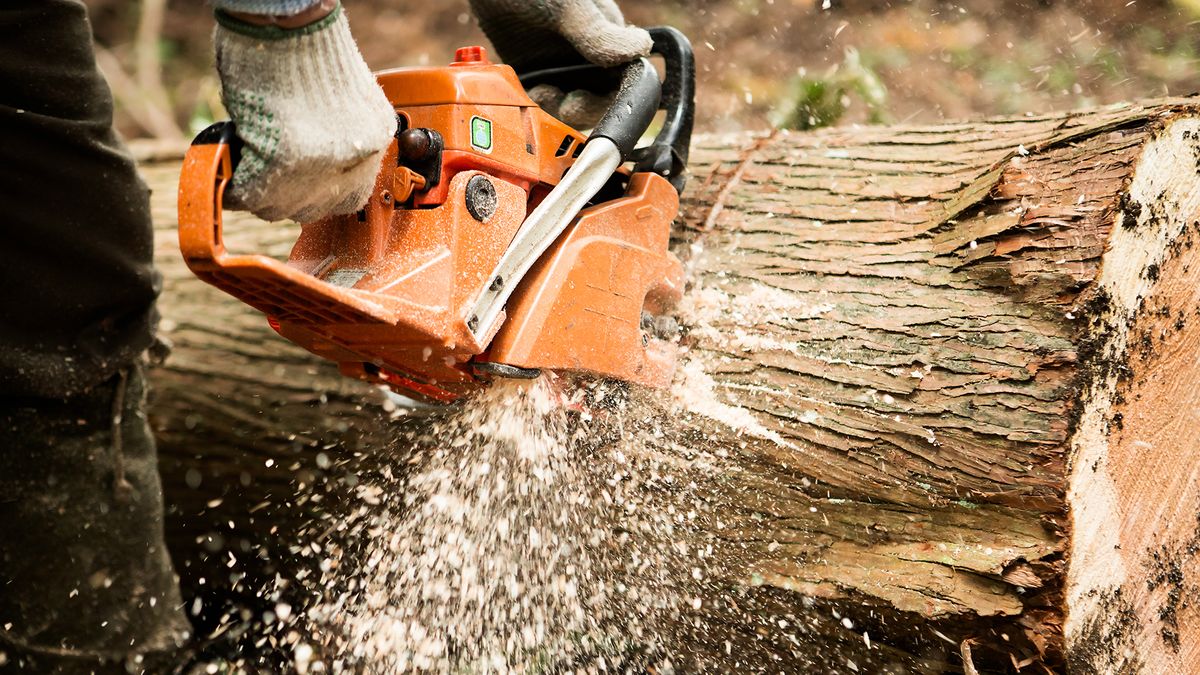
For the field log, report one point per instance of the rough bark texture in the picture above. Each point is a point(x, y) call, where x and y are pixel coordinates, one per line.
point(926, 354)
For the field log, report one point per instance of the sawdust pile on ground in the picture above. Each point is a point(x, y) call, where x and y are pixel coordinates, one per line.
point(525, 538)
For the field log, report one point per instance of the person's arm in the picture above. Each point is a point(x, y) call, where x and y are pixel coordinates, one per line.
point(282, 13)
point(272, 8)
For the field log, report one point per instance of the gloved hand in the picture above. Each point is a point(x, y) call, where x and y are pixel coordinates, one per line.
point(314, 122)
point(535, 34)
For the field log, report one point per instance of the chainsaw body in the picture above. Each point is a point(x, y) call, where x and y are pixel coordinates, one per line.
point(441, 282)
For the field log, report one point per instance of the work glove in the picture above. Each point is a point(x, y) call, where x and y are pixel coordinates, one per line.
point(531, 35)
point(314, 122)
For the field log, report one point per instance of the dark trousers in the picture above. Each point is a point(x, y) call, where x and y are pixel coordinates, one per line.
point(85, 581)
point(77, 286)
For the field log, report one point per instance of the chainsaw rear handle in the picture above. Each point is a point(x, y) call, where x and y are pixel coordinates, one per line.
point(668, 154)
point(222, 133)
point(207, 170)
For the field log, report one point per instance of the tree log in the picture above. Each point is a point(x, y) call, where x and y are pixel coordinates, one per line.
point(947, 374)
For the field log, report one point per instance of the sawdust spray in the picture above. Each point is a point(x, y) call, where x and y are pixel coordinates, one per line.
point(546, 526)
point(559, 526)
point(527, 534)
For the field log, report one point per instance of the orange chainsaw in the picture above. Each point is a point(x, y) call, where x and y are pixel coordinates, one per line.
point(498, 241)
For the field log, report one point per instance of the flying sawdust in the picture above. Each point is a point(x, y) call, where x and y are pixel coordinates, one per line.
point(521, 540)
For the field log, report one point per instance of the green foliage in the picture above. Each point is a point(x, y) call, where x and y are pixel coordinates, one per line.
point(811, 103)
point(1192, 7)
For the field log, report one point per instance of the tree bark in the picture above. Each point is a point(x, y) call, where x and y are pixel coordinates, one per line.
point(947, 373)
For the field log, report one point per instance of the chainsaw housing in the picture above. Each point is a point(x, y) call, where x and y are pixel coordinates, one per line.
point(387, 292)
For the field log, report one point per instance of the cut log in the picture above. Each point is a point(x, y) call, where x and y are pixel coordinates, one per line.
point(948, 376)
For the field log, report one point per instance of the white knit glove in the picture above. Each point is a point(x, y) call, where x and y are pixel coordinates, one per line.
point(535, 34)
point(313, 120)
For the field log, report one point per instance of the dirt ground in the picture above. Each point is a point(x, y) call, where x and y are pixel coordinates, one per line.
point(885, 61)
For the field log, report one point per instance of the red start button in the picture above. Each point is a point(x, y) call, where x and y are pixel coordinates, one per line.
point(474, 55)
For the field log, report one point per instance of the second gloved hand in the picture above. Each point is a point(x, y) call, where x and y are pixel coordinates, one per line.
point(313, 119)
point(535, 34)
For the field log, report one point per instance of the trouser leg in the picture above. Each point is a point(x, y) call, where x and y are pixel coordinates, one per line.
point(77, 285)
point(87, 582)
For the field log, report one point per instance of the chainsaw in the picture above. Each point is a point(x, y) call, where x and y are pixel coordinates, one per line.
point(498, 241)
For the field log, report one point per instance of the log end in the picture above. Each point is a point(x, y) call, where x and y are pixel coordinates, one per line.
point(1135, 474)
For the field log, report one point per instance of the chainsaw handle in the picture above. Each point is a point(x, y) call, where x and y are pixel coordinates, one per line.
point(632, 109)
point(222, 133)
point(207, 169)
point(668, 154)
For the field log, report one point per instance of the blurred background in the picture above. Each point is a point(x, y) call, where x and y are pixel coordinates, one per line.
point(761, 63)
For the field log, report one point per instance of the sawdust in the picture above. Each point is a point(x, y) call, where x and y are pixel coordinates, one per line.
point(756, 311)
point(531, 533)
point(697, 393)
point(558, 525)
point(757, 304)
point(547, 526)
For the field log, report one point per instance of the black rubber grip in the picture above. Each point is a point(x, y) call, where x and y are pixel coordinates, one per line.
point(668, 154)
point(222, 133)
point(633, 108)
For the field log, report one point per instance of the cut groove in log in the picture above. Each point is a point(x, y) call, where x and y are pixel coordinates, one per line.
point(924, 355)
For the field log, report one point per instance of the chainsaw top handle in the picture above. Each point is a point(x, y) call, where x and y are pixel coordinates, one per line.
point(632, 109)
point(667, 155)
